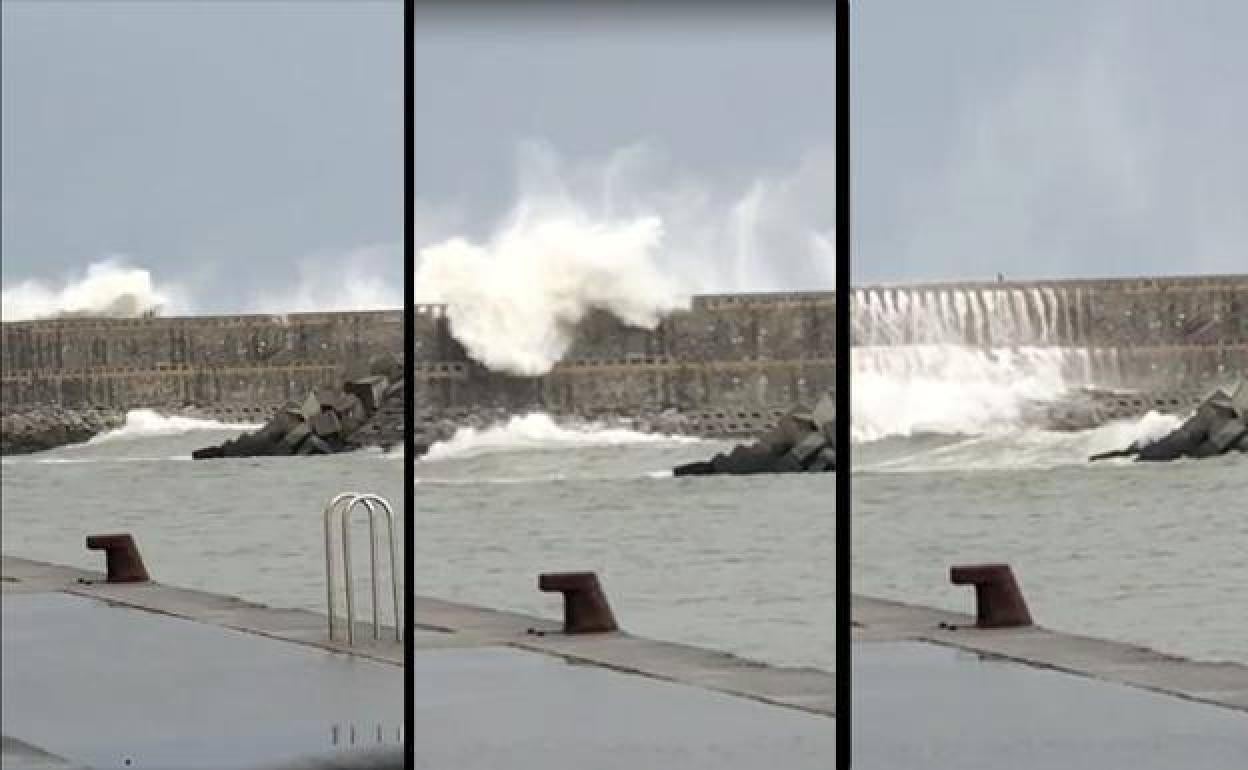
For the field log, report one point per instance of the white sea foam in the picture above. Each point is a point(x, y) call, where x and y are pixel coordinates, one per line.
point(146, 423)
point(539, 431)
point(1019, 448)
point(908, 389)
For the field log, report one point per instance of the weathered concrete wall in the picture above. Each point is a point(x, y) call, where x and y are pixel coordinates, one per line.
point(251, 359)
point(735, 355)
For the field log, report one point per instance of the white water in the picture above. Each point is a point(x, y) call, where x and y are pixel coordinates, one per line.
point(107, 288)
point(941, 378)
point(630, 235)
point(539, 432)
point(145, 423)
point(1012, 450)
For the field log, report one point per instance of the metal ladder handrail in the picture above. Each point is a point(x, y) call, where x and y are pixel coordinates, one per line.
point(343, 505)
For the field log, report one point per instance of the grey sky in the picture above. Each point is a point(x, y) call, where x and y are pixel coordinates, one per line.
point(1083, 137)
point(222, 145)
point(228, 146)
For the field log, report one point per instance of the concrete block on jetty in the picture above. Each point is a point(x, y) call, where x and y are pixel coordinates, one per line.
point(371, 391)
point(1218, 426)
point(801, 442)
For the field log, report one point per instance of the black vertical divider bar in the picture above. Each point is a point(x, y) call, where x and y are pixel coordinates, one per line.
point(844, 585)
point(409, 402)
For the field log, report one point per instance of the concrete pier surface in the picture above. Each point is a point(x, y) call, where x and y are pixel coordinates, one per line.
point(932, 690)
point(146, 675)
point(141, 675)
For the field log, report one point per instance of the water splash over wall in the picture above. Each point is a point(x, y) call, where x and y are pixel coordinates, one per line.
point(977, 317)
point(960, 360)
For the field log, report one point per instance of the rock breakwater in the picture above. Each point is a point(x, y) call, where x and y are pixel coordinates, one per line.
point(801, 442)
point(326, 421)
point(1218, 426)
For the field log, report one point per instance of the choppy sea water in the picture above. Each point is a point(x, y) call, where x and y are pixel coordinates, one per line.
point(1153, 555)
point(243, 527)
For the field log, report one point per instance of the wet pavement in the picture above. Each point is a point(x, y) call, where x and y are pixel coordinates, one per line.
point(145, 675)
point(922, 705)
point(113, 687)
point(496, 707)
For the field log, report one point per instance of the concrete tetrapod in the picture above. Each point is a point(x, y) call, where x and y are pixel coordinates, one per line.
point(325, 422)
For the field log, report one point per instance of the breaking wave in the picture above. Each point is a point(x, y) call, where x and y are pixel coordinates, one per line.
point(145, 423)
point(538, 432)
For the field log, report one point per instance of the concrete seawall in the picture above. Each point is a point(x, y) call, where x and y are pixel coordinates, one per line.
point(728, 360)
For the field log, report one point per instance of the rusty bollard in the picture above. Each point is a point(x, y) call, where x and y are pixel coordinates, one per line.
point(999, 602)
point(585, 607)
point(121, 557)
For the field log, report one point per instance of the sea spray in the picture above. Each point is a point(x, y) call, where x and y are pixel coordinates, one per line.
point(632, 235)
point(108, 288)
point(333, 281)
point(514, 301)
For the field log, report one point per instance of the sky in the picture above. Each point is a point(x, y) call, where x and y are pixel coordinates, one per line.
point(249, 154)
point(1071, 138)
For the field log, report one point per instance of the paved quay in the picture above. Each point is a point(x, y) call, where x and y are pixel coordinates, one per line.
point(136, 675)
point(100, 675)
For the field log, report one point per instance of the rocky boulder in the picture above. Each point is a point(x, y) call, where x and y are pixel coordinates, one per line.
point(801, 442)
point(46, 427)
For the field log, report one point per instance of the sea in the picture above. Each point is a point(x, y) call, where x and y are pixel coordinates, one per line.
point(1155, 555)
